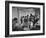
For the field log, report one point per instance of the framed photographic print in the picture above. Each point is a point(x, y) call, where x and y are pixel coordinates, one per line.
point(24, 18)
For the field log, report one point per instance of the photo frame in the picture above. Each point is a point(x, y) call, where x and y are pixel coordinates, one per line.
point(24, 18)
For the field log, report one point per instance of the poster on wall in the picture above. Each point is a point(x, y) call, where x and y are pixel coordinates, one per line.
point(24, 18)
